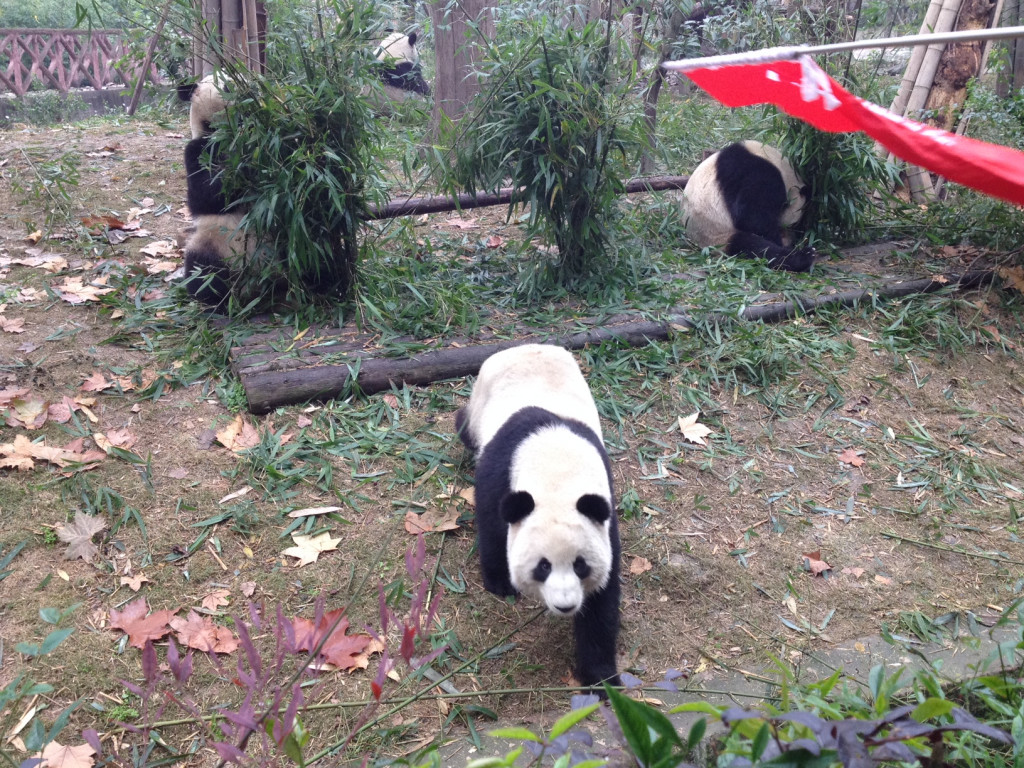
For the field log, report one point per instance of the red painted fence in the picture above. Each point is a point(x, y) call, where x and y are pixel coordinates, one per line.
point(64, 58)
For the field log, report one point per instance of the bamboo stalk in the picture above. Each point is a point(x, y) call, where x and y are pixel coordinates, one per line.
point(899, 104)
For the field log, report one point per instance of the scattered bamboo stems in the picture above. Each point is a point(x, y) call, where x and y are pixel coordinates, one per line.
point(953, 550)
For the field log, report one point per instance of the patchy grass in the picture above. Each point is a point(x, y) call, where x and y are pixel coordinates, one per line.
point(926, 390)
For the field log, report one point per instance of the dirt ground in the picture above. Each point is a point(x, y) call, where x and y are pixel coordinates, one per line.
point(903, 479)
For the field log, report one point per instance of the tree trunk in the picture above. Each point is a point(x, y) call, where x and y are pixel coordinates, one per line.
point(455, 54)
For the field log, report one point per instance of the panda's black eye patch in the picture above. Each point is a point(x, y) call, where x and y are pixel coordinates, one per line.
point(581, 568)
point(542, 570)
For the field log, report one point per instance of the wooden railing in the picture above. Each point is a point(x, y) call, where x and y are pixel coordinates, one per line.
point(64, 58)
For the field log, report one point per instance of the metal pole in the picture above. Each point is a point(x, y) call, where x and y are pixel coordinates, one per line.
point(787, 53)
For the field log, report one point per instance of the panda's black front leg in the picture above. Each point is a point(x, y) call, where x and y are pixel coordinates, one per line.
point(597, 631)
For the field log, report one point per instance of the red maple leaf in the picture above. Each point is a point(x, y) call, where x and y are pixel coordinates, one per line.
point(340, 649)
point(138, 625)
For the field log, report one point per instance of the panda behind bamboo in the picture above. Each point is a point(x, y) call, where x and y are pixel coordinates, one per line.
point(545, 506)
point(219, 243)
point(744, 198)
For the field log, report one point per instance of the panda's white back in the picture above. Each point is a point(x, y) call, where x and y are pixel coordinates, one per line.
point(705, 213)
point(540, 375)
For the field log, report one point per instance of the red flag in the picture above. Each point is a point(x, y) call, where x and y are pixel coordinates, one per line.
point(802, 89)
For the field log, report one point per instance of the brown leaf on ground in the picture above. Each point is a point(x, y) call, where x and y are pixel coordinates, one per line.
point(115, 438)
point(308, 548)
point(216, 599)
point(139, 626)
point(28, 412)
point(239, 435)
point(134, 583)
point(78, 536)
point(99, 223)
point(855, 572)
point(160, 248)
point(814, 563)
point(494, 241)
point(74, 291)
point(640, 565)
point(460, 223)
point(35, 237)
point(433, 520)
point(56, 755)
point(341, 650)
point(1013, 277)
point(10, 393)
point(201, 633)
point(21, 453)
point(693, 430)
point(247, 588)
point(61, 412)
point(12, 324)
point(852, 457)
point(97, 382)
point(469, 494)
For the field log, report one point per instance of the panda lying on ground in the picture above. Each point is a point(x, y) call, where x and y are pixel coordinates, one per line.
point(742, 198)
point(545, 508)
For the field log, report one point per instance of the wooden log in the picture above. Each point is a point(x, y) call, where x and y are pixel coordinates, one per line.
point(415, 206)
point(270, 389)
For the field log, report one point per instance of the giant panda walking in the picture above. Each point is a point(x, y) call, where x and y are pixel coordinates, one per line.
point(545, 507)
point(743, 198)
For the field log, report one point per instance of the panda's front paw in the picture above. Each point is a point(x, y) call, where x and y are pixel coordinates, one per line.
point(594, 680)
point(797, 260)
point(500, 586)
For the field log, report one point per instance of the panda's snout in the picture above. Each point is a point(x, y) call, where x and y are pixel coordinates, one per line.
point(566, 609)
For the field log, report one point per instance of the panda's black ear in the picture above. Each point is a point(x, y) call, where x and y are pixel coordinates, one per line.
point(412, 39)
point(185, 91)
point(516, 506)
point(595, 507)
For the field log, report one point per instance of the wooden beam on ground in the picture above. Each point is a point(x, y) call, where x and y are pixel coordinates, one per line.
point(415, 206)
point(267, 389)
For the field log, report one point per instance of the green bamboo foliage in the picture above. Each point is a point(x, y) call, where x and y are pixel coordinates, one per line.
point(555, 120)
point(299, 147)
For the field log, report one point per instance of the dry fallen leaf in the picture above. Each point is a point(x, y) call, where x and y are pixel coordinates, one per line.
point(247, 588)
point(160, 248)
point(640, 565)
point(460, 223)
point(56, 755)
point(339, 649)
point(97, 382)
point(308, 548)
point(693, 430)
point(814, 563)
point(115, 438)
point(216, 599)
point(20, 454)
point(27, 412)
point(434, 519)
point(239, 435)
point(78, 536)
point(855, 572)
point(469, 494)
point(134, 583)
point(74, 291)
point(12, 324)
point(313, 511)
point(852, 457)
point(201, 633)
point(139, 626)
